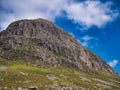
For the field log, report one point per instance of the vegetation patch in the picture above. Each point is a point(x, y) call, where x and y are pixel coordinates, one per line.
point(18, 73)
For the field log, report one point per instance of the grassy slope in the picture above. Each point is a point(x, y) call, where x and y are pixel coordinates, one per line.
point(20, 74)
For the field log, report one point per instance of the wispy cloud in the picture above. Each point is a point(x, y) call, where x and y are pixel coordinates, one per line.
point(113, 63)
point(86, 13)
point(85, 40)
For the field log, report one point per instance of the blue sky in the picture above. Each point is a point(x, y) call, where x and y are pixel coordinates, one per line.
point(94, 23)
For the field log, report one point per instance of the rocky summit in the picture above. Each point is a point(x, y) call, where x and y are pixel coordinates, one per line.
point(40, 40)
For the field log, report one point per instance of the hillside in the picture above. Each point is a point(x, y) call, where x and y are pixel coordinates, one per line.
point(38, 53)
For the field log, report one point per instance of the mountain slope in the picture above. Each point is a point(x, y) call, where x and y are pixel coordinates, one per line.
point(41, 40)
point(41, 44)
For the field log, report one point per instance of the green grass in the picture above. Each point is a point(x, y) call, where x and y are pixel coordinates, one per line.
point(21, 74)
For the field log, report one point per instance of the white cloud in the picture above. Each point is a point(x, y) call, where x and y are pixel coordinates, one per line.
point(87, 13)
point(85, 40)
point(91, 13)
point(30, 9)
point(113, 63)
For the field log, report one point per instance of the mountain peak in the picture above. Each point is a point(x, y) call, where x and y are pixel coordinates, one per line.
point(29, 27)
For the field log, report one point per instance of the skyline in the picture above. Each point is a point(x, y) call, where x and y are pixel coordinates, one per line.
point(95, 24)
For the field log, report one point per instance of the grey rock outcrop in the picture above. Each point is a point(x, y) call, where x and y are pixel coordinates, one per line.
point(46, 45)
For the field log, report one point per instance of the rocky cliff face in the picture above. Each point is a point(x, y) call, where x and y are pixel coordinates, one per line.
point(46, 45)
